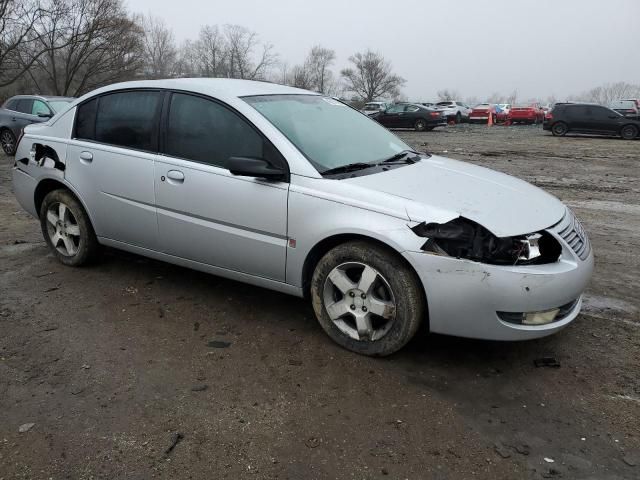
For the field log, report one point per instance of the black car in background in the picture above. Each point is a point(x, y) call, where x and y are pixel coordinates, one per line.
point(410, 115)
point(589, 118)
point(22, 110)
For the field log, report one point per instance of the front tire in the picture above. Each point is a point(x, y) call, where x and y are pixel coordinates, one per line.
point(629, 132)
point(67, 229)
point(8, 142)
point(367, 299)
point(559, 129)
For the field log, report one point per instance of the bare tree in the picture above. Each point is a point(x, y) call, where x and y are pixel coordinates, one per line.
point(17, 50)
point(160, 52)
point(610, 92)
point(447, 95)
point(371, 77)
point(241, 60)
point(319, 61)
point(302, 77)
point(87, 43)
point(211, 52)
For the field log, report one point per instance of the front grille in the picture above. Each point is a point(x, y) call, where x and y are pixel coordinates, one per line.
point(574, 235)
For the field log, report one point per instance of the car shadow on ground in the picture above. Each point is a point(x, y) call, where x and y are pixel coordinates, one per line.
point(296, 313)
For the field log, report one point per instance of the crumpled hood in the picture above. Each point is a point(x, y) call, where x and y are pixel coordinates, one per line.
point(501, 203)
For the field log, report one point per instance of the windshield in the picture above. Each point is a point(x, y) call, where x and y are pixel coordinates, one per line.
point(59, 105)
point(329, 133)
point(445, 104)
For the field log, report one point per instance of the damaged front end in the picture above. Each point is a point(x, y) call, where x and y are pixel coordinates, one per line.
point(464, 238)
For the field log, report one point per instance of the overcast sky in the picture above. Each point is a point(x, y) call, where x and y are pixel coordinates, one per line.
point(539, 47)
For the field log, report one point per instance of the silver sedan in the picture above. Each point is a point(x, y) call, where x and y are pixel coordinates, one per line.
point(297, 192)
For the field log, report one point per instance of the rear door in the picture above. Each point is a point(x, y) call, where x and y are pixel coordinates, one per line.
point(110, 163)
point(21, 115)
point(205, 213)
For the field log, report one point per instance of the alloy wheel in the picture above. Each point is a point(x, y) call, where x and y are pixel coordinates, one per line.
point(7, 141)
point(63, 229)
point(359, 301)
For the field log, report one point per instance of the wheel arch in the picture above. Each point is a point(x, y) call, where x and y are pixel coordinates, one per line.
point(49, 184)
point(323, 246)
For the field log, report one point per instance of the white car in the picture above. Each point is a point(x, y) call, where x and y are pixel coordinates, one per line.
point(453, 110)
point(294, 191)
point(371, 108)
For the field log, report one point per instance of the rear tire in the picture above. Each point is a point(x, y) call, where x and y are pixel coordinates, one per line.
point(358, 274)
point(420, 125)
point(67, 229)
point(8, 141)
point(629, 132)
point(559, 129)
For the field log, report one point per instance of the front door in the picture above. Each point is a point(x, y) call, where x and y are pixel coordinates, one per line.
point(205, 213)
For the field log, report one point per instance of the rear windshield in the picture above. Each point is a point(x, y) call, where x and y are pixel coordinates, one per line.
point(623, 104)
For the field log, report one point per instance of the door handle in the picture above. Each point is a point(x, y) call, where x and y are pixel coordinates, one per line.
point(86, 157)
point(175, 176)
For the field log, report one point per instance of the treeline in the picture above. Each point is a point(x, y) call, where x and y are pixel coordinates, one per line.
point(69, 47)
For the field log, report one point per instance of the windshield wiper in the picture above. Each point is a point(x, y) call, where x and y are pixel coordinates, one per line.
point(401, 155)
point(350, 167)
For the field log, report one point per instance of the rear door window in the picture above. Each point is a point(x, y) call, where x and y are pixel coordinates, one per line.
point(86, 120)
point(11, 104)
point(205, 131)
point(24, 105)
point(129, 119)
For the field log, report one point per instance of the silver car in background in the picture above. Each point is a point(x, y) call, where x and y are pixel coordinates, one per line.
point(297, 192)
point(454, 110)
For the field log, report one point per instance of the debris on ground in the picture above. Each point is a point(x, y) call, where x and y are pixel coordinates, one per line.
point(502, 450)
point(219, 344)
point(25, 427)
point(549, 362)
point(175, 439)
point(199, 388)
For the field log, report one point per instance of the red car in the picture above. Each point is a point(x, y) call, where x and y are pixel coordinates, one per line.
point(480, 113)
point(530, 113)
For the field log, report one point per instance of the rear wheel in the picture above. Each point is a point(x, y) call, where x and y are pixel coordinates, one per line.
point(559, 129)
point(420, 125)
point(366, 298)
point(67, 229)
point(629, 132)
point(8, 141)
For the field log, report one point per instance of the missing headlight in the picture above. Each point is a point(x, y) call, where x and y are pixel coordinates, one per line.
point(464, 238)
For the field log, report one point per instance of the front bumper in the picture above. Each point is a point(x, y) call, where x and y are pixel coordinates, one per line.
point(464, 297)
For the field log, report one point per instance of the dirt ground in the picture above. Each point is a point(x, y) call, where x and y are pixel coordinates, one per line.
point(110, 362)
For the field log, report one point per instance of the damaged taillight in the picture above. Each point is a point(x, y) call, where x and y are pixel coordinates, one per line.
point(464, 238)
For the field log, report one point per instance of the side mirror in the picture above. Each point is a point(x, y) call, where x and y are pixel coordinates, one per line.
point(45, 115)
point(255, 167)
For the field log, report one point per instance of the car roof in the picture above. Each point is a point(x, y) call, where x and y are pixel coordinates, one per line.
point(215, 87)
point(42, 97)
